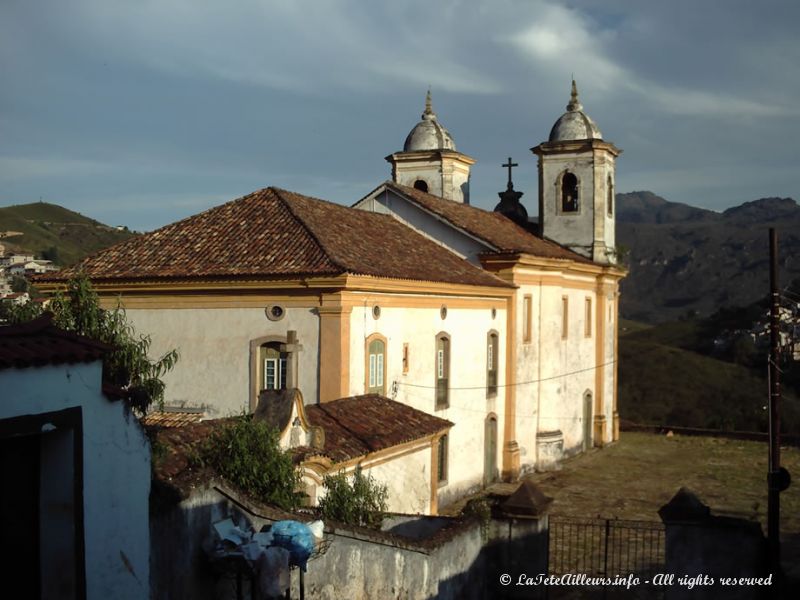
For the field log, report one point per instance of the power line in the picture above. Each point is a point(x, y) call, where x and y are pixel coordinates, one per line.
point(483, 387)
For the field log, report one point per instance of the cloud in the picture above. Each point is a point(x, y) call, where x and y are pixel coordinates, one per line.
point(287, 45)
point(564, 38)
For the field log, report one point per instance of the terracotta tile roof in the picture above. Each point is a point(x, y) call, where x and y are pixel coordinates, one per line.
point(39, 343)
point(274, 233)
point(489, 226)
point(169, 418)
point(359, 425)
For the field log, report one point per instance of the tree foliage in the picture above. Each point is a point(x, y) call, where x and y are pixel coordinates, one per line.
point(127, 366)
point(19, 284)
point(356, 500)
point(246, 453)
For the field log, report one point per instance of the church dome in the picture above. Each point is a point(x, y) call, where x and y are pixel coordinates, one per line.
point(429, 134)
point(574, 124)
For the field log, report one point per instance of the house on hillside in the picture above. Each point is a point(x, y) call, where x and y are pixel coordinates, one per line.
point(412, 295)
point(75, 517)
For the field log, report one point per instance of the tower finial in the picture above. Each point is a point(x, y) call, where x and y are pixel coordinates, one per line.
point(428, 114)
point(574, 103)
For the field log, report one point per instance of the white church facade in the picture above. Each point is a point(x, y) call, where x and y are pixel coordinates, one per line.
point(438, 345)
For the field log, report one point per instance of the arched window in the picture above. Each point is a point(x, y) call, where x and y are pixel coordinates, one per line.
point(421, 185)
point(491, 363)
point(442, 366)
point(569, 193)
point(610, 199)
point(273, 366)
point(376, 364)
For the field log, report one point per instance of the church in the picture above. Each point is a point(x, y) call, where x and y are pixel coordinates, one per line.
point(438, 345)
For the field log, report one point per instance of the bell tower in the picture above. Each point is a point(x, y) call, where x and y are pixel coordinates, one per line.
point(576, 185)
point(430, 162)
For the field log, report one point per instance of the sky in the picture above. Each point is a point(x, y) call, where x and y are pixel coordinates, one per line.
point(143, 112)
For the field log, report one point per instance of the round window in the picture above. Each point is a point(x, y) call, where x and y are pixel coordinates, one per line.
point(275, 312)
point(376, 312)
point(443, 312)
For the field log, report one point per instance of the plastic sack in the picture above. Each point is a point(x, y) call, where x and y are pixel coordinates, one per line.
point(297, 538)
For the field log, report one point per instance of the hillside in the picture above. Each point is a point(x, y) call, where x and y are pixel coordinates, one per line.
point(685, 260)
point(51, 231)
point(665, 380)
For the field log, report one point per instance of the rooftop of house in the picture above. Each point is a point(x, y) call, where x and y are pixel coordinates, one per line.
point(39, 342)
point(360, 425)
point(273, 234)
point(353, 427)
point(494, 229)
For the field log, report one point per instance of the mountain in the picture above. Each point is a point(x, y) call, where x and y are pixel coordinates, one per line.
point(685, 260)
point(54, 232)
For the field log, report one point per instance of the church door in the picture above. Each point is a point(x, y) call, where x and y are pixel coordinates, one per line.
point(490, 450)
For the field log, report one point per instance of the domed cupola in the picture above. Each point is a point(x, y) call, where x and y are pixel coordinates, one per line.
point(429, 134)
point(430, 162)
point(575, 124)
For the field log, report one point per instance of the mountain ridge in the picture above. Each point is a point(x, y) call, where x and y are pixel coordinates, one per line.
point(686, 261)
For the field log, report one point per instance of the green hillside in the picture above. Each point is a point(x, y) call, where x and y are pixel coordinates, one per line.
point(53, 232)
point(662, 384)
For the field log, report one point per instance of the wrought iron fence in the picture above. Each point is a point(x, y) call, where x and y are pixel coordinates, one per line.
point(605, 547)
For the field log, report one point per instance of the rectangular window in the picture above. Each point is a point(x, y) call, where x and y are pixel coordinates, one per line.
point(442, 371)
point(379, 370)
point(441, 463)
point(274, 373)
point(527, 303)
point(491, 364)
point(564, 317)
point(587, 325)
point(372, 370)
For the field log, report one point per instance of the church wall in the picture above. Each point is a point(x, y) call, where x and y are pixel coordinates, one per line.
point(426, 224)
point(579, 230)
point(213, 371)
point(468, 329)
point(575, 230)
point(552, 372)
point(611, 356)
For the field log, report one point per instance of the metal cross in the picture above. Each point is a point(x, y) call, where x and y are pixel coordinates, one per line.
point(510, 164)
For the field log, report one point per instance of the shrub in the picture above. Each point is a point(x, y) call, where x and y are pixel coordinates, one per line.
point(127, 365)
point(247, 454)
point(356, 500)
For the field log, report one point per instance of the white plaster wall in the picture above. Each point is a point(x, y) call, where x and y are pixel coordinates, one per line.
point(578, 230)
point(445, 178)
point(553, 373)
point(116, 472)
point(408, 480)
point(428, 225)
point(469, 405)
point(214, 344)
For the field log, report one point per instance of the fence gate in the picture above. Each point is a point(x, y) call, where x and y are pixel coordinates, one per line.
point(605, 547)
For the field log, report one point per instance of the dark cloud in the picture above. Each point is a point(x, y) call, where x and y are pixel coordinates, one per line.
point(142, 113)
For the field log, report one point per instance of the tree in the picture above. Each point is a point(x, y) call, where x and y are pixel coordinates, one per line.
point(19, 284)
point(359, 500)
point(52, 254)
point(127, 366)
point(247, 453)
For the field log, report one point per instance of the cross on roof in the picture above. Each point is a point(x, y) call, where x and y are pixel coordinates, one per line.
point(510, 165)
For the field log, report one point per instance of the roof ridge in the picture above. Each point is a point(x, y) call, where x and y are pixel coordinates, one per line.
point(287, 203)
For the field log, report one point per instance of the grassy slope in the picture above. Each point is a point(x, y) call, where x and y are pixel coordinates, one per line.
point(729, 475)
point(663, 383)
point(47, 225)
